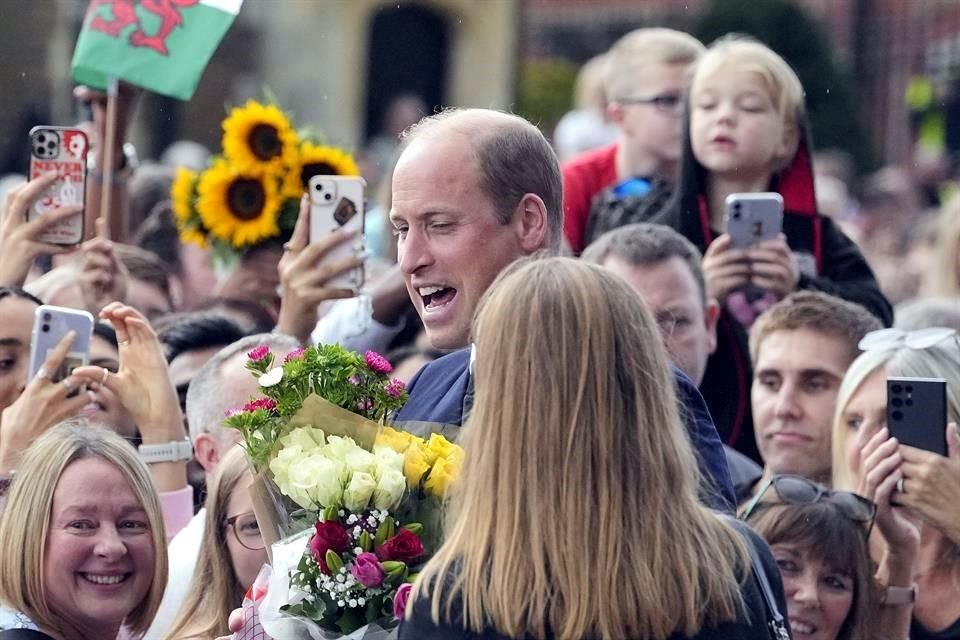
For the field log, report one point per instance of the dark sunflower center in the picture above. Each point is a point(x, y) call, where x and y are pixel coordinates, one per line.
point(265, 142)
point(246, 198)
point(315, 169)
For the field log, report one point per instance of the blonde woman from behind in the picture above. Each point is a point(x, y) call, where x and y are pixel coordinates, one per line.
point(576, 514)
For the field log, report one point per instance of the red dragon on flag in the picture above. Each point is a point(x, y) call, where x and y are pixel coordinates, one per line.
point(125, 14)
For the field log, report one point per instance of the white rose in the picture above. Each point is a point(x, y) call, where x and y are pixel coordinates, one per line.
point(360, 460)
point(321, 478)
point(271, 378)
point(387, 458)
point(357, 495)
point(389, 491)
point(338, 448)
point(307, 438)
point(280, 467)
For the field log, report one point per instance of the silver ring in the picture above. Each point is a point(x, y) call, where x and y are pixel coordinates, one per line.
point(900, 486)
point(123, 343)
point(42, 374)
point(106, 374)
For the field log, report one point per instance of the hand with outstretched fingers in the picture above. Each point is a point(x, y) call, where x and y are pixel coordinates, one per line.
point(43, 404)
point(20, 242)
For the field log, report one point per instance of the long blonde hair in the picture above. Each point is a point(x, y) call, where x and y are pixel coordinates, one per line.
point(25, 521)
point(576, 514)
point(214, 591)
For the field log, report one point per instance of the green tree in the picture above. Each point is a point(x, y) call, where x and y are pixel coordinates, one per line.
point(546, 91)
point(792, 32)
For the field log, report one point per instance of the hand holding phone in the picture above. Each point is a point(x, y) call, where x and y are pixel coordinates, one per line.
point(63, 152)
point(336, 202)
point(51, 324)
point(917, 412)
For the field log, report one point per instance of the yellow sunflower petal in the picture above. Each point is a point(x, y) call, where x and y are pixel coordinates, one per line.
point(181, 192)
point(194, 236)
point(239, 207)
point(315, 160)
point(260, 137)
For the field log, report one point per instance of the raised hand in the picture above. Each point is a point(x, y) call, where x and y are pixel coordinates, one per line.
point(931, 484)
point(773, 266)
point(725, 269)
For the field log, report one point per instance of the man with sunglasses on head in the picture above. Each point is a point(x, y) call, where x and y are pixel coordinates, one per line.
point(800, 349)
point(646, 73)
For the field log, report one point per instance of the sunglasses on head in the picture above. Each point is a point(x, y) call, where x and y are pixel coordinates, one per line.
point(798, 490)
point(886, 339)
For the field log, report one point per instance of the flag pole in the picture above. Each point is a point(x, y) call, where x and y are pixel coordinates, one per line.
point(106, 158)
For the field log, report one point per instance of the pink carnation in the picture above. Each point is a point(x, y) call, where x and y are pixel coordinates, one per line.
point(395, 388)
point(267, 404)
point(259, 353)
point(296, 354)
point(377, 362)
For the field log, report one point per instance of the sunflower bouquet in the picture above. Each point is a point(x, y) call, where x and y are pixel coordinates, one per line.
point(250, 194)
point(364, 497)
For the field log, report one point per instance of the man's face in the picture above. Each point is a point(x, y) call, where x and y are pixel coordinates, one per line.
point(795, 383)
point(450, 245)
point(147, 298)
point(16, 325)
point(654, 129)
point(689, 328)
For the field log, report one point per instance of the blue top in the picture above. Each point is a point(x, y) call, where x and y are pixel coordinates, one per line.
point(442, 392)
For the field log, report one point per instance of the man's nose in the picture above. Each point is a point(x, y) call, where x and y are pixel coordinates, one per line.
point(413, 252)
point(786, 403)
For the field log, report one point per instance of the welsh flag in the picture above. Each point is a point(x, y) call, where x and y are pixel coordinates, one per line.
point(160, 45)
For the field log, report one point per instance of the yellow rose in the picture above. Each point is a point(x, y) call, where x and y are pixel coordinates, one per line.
point(399, 441)
point(414, 466)
point(442, 447)
point(442, 475)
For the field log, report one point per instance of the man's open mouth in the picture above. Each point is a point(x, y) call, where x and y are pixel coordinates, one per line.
point(436, 297)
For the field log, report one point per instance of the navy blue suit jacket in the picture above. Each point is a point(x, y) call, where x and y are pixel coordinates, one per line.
point(441, 389)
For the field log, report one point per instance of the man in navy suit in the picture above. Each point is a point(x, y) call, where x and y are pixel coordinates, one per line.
point(473, 190)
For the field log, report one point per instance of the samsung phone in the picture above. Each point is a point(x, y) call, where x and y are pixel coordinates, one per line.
point(50, 325)
point(753, 217)
point(62, 150)
point(917, 412)
point(336, 202)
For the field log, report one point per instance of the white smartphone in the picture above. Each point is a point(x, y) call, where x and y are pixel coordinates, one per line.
point(753, 218)
point(50, 325)
point(336, 202)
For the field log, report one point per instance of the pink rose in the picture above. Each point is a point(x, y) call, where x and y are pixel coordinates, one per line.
point(367, 570)
point(400, 600)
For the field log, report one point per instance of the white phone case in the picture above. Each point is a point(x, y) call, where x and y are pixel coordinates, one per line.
point(753, 218)
point(49, 326)
point(337, 202)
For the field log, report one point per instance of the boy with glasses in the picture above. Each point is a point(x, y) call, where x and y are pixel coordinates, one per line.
point(647, 71)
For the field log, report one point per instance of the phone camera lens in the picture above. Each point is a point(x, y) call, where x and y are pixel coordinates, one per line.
point(46, 328)
point(318, 187)
point(897, 402)
point(41, 138)
point(47, 317)
point(897, 388)
point(328, 197)
point(736, 215)
point(909, 402)
point(897, 415)
point(909, 388)
point(51, 145)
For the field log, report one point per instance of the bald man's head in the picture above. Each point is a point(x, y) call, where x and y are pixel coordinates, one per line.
point(513, 159)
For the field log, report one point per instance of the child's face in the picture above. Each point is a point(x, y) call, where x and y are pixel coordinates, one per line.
point(653, 130)
point(735, 129)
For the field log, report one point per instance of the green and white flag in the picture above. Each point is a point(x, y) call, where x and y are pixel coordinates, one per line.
point(160, 45)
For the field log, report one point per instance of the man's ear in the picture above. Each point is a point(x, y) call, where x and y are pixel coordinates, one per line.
point(206, 450)
point(532, 223)
point(711, 314)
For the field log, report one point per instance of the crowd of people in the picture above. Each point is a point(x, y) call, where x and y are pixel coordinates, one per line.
point(666, 435)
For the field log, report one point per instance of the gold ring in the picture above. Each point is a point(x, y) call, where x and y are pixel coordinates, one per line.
point(106, 374)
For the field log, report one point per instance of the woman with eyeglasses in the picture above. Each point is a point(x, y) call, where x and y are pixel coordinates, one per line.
point(819, 539)
point(231, 554)
point(925, 485)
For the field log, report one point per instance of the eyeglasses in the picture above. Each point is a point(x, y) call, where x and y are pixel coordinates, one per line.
point(668, 103)
point(797, 490)
point(246, 530)
point(887, 339)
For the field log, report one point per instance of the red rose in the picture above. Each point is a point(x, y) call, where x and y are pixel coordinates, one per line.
point(329, 536)
point(403, 547)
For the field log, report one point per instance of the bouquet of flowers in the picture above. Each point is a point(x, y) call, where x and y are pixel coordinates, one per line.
point(251, 193)
point(325, 463)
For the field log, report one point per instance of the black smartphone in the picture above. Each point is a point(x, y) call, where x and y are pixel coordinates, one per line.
point(917, 412)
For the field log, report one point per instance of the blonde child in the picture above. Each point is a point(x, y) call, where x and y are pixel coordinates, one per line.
point(746, 131)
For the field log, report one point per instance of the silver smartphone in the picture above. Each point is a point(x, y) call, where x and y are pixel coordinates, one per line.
point(50, 325)
point(336, 202)
point(752, 218)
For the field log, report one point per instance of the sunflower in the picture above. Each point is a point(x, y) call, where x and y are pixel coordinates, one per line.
point(192, 235)
point(238, 207)
point(260, 136)
point(318, 160)
point(182, 194)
